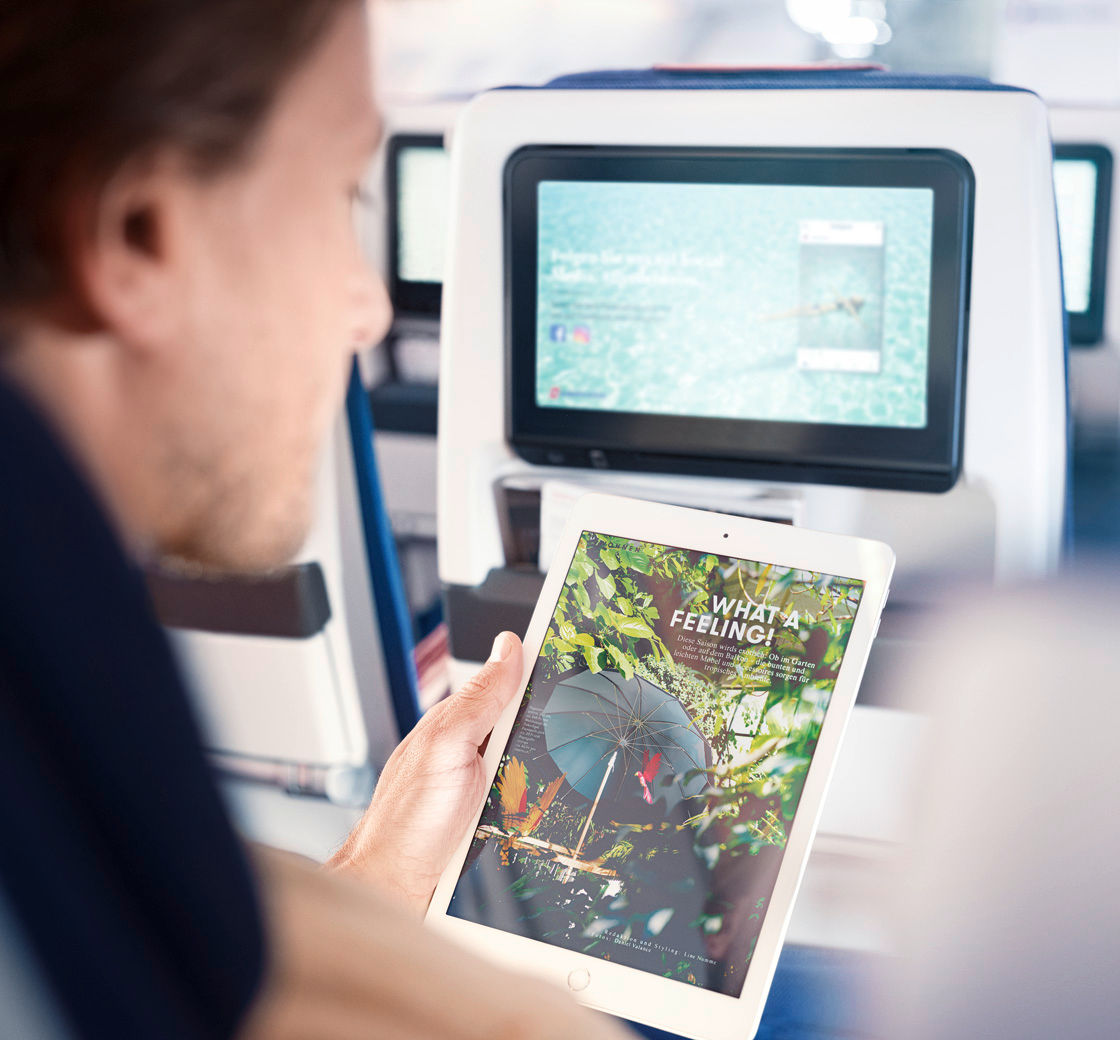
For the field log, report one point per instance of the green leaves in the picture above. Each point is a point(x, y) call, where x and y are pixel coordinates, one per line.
point(581, 569)
point(620, 660)
point(620, 850)
point(633, 627)
point(605, 615)
point(637, 561)
point(606, 585)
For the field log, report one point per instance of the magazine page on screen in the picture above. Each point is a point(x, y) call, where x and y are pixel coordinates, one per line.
point(642, 807)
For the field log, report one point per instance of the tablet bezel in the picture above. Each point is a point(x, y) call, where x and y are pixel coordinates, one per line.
point(408, 297)
point(631, 993)
point(910, 458)
point(1086, 328)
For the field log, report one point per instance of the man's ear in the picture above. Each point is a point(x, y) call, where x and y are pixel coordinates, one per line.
point(123, 246)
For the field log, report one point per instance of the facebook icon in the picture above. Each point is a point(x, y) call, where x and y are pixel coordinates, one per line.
point(558, 333)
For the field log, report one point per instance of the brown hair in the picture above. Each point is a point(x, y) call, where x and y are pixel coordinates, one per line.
point(87, 85)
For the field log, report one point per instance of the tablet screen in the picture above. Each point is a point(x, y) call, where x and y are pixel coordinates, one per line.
point(642, 807)
point(787, 303)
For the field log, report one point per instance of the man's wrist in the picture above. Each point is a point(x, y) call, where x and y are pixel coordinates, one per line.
point(379, 868)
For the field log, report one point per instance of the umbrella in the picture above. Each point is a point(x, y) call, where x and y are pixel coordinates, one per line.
point(592, 715)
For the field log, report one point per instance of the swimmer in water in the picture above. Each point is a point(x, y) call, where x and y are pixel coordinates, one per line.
point(850, 305)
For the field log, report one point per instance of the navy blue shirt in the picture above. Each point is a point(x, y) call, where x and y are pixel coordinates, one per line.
point(115, 851)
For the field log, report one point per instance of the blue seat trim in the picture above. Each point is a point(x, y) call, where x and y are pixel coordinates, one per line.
point(1067, 510)
point(765, 79)
point(817, 994)
point(389, 600)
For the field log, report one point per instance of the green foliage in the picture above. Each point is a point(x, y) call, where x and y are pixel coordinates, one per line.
point(605, 615)
point(620, 850)
point(710, 706)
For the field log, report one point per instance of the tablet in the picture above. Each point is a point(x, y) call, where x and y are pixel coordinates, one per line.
point(688, 678)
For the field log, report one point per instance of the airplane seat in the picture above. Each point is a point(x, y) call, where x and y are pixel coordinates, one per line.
point(404, 235)
point(304, 679)
point(520, 430)
point(1008, 495)
point(1086, 150)
point(1086, 167)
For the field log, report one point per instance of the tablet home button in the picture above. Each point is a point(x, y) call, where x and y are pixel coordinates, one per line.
point(578, 979)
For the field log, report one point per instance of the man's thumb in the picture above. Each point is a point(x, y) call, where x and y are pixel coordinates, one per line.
point(479, 703)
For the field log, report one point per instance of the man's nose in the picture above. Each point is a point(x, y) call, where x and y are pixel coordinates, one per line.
point(371, 309)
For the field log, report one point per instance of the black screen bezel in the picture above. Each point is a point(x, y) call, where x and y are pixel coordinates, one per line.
point(408, 297)
point(922, 459)
point(1086, 328)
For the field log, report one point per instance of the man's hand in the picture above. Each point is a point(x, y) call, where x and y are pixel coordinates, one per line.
point(345, 964)
point(432, 787)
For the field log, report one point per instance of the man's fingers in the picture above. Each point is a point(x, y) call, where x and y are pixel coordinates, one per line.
point(473, 711)
point(504, 645)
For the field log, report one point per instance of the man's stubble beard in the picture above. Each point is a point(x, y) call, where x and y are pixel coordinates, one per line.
point(236, 524)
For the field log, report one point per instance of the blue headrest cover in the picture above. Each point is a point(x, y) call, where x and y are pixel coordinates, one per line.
point(765, 79)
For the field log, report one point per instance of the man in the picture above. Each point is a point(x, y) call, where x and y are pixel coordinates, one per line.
point(180, 294)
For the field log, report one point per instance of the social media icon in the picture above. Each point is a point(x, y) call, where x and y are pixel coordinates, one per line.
point(581, 334)
point(558, 333)
point(554, 393)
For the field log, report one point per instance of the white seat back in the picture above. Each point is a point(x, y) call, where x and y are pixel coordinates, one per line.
point(1005, 516)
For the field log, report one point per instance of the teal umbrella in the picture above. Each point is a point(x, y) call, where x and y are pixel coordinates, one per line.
point(592, 715)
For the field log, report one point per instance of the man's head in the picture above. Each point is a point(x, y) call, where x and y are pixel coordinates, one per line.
point(179, 273)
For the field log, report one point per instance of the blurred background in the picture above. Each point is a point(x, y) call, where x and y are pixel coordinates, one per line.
point(1067, 50)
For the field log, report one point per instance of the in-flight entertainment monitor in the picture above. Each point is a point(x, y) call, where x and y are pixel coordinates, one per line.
point(417, 189)
point(795, 315)
point(1083, 185)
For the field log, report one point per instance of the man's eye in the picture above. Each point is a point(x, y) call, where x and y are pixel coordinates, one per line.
point(361, 196)
point(363, 209)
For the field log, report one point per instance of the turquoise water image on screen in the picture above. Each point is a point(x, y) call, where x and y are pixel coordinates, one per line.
point(767, 302)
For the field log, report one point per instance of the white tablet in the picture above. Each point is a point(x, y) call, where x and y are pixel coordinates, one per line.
point(688, 678)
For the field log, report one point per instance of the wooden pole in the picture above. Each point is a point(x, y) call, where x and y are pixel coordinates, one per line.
point(594, 805)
